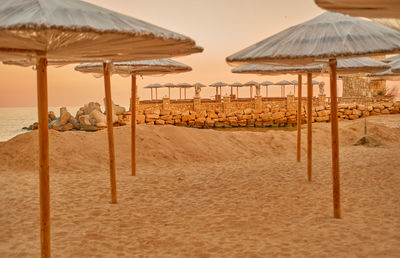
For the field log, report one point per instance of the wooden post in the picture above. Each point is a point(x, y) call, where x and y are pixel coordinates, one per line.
point(185, 92)
point(283, 91)
point(216, 90)
point(151, 93)
point(309, 126)
point(156, 94)
point(133, 125)
point(220, 91)
point(299, 109)
point(44, 179)
point(251, 91)
point(169, 92)
point(335, 140)
point(237, 92)
point(231, 90)
point(110, 131)
point(180, 93)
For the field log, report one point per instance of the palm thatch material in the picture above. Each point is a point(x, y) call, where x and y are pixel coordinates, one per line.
point(391, 59)
point(344, 66)
point(142, 67)
point(236, 84)
point(266, 83)
point(327, 36)
point(75, 31)
point(250, 83)
point(219, 84)
point(183, 85)
point(153, 85)
point(369, 8)
point(283, 82)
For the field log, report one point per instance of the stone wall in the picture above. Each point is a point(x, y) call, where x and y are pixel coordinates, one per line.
point(357, 86)
point(260, 112)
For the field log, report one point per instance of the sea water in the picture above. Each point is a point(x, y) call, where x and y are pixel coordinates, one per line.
point(13, 119)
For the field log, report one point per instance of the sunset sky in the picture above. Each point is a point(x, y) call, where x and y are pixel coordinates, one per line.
point(222, 27)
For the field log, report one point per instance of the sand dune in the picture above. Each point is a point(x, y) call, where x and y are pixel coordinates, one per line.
point(205, 193)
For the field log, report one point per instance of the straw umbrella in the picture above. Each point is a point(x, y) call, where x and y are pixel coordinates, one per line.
point(153, 86)
point(169, 85)
point(218, 85)
point(370, 8)
point(391, 59)
point(266, 84)
point(38, 32)
point(251, 84)
point(330, 36)
point(283, 83)
point(183, 85)
point(237, 85)
point(395, 66)
point(133, 69)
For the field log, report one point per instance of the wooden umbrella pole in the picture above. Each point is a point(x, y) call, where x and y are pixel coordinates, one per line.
point(156, 94)
point(237, 92)
point(180, 93)
point(231, 90)
point(44, 179)
point(169, 92)
point(309, 126)
point(110, 131)
point(133, 125)
point(299, 109)
point(185, 92)
point(335, 140)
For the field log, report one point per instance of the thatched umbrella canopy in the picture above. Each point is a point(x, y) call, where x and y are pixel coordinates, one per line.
point(391, 59)
point(184, 86)
point(153, 86)
point(395, 66)
point(218, 85)
point(251, 84)
point(40, 31)
point(369, 8)
point(327, 37)
point(199, 84)
point(283, 83)
point(344, 66)
point(392, 74)
point(266, 84)
point(237, 85)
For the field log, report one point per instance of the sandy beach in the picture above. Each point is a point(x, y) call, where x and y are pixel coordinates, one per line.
point(205, 193)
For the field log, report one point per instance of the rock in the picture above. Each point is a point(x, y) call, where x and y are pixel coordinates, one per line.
point(247, 111)
point(159, 122)
point(361, 107)
point(357, 112)
point(165, 112)
point(52, 116)
point(369, 141)
point(152, 116)
point(100, 120)
point(84, 121)
point(385, 111)
point(277, 115)
point(140, 119)
point(72, 120)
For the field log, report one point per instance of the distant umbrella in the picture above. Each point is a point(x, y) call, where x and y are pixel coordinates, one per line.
point(237, 85)
point(218, 85)
point(199, 84)
point(251, 84)
point(184, 86)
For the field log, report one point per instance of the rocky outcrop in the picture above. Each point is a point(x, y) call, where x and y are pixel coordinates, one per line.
point(87, 118)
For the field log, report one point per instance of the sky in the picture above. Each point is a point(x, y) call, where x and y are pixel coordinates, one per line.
point(221, 27)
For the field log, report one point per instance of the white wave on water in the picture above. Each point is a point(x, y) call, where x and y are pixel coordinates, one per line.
point(13, 119)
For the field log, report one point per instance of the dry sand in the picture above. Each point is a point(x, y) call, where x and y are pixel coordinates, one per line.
point(205, 193)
